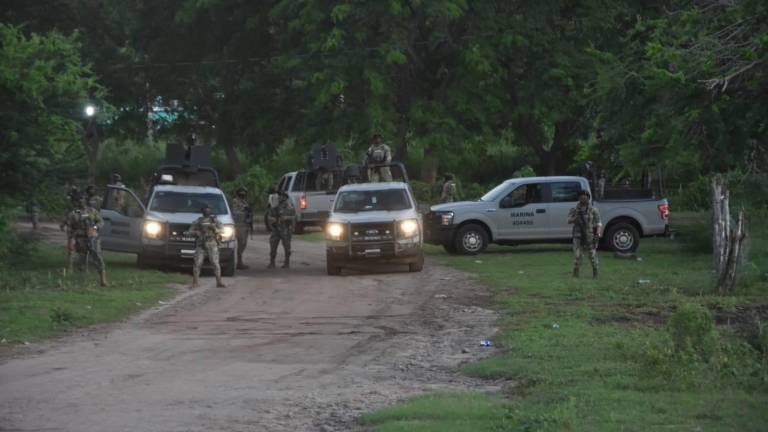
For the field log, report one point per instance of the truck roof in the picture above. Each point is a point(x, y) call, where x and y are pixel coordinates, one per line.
point(373, 186)
point(547, 179)
point(192, 189)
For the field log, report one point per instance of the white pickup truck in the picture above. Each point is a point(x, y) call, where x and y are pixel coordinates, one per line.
point(535, 210)
point(374, 223)
point(312, 205)
point(158, 231)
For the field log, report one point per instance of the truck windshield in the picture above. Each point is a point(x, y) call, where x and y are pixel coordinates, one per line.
point(185, 202)
point(496, 192)
point(373, 200)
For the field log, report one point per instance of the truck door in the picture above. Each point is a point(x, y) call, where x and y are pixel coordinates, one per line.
point(564, 196)
point(522, 213)
point(123, 215)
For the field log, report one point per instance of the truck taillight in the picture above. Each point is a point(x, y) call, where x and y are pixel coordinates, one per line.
point(664, 211)
point(303, 202)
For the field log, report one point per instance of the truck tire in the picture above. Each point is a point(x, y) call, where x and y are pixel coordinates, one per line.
point(471, 239)
point(228, 268)
point(142, 262)
point(332, 268)
point(622, 237)
point(418, 265)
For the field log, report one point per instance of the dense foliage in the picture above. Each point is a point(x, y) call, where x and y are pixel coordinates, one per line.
point(481, 88)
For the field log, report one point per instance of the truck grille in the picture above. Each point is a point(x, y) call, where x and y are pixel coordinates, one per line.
point(176, 234)
point(372, 232)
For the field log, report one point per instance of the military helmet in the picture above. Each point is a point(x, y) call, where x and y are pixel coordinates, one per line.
point(116, 177)
point(91, 189)
point(584, 193)
point(241, 190)
point(205, 206)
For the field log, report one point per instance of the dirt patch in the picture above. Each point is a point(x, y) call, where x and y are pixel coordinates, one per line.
point(277, 350)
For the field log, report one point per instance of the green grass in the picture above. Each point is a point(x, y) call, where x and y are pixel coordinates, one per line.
point(37, 300)
point(582, 354)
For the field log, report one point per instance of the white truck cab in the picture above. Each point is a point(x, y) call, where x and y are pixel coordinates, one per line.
point(157, 231)
point(374, 223)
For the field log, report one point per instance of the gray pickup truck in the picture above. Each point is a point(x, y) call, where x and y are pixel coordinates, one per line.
point(535, 210)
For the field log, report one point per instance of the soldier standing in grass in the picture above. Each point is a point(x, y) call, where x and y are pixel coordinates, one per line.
point(448, 191)
point(280, 218)
point(243, 216)
point(586, 232)
point(84, 222)
point(72, 194)
point(207, 231)
point(33, 209)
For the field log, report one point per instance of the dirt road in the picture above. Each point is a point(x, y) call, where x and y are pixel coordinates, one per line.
point(276, 350)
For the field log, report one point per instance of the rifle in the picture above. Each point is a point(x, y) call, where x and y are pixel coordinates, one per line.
point(249, 221)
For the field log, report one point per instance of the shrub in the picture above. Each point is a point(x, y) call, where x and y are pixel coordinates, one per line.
point(692, 330)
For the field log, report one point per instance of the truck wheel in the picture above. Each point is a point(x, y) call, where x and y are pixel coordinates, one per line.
point(141, 261)
point(471, 240)
point(417, 266)
point(299, 228)
point(332, 268)
point(622, 237)
point(228, 269)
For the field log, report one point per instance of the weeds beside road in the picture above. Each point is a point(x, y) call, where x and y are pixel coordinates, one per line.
point(637, 349)
point(38, 300)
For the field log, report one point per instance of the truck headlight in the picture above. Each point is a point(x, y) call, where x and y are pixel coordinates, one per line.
point(334, 231)
point(152, 229)
point(446, 218)
point(227, 232)
point(409, 227)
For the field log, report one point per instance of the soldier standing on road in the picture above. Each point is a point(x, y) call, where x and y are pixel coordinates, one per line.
point(243, 216)
point(586, 232)
point(448, 192)
point(280, 218)
point(94, 200)
point(33, 209)
point(116, 195)
point(73, 195)
point(378, 154)
point(207, 231)
point(84, 222)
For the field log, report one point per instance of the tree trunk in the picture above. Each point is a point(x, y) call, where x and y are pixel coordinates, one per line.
point(727, 243)
point(225, 138)
point(89, 138)
point(429, 166)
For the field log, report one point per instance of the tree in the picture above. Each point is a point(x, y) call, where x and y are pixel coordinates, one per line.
point(44, 87)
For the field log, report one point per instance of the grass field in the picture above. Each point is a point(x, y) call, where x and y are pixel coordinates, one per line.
point(37, 300)
point(582, 354)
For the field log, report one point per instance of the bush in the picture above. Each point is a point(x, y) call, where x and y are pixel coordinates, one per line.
point(692, 330)
point(13, 248)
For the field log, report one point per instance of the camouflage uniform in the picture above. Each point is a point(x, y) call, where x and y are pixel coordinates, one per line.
point(281, 218)
point(379, 154)
point(585, 220)
point(207, 231)
point(84, 224)
point(94, 201)
point(448, 193)
point(241, 213)
point(65, 226)
point(34, 213)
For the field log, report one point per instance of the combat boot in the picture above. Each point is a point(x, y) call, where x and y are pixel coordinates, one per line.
point(219, 283)
point(103, 278)
point(287, 262)
point(195, 282)
point(594, 272)
point(575, 272)
point(271, 263)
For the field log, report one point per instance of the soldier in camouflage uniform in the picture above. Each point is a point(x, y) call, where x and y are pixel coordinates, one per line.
point(84, 223)
point(243, 216)
point(280, 218)
point(33, 209)
point(73, 195)
point(448, 192)
point(94, 200)
point(378, 154)
point(586, 232)
point(207, 231)
point(117, 196)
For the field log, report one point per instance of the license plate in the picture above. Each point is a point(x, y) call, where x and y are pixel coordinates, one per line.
point(371, 238)
point(372, 252)
point(187, 251)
